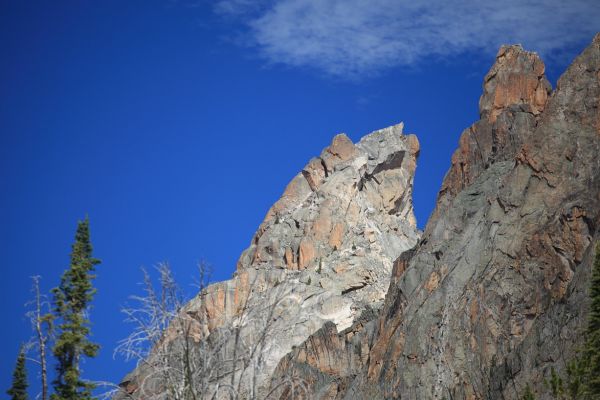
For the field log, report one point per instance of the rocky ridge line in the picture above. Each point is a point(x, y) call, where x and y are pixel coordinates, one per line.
point(493, 295)
point(324, 252)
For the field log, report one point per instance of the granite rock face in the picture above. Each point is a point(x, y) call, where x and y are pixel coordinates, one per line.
point(339, 297)
point(494, 294)
point(323, 253)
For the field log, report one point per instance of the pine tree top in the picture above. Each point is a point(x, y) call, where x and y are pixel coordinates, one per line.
point(18, 389)
point(72, 299)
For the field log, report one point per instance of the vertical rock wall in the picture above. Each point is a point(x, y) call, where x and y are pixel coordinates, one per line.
point(494, 294)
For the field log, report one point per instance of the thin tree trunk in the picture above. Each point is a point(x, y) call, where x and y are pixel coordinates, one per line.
point(41, 338)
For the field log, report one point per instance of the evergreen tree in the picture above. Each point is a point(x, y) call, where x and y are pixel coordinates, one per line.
point(71, 302)
point(576, 378)
point(592, 345)
point(528, 395)
point(18, 390)
point(555, 384)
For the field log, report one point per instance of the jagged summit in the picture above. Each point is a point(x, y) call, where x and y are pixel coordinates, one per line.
point(515, 93)
point(515, 80)
point(494, 295)
point(338, 296)
point(323, 253)
point(326, 199)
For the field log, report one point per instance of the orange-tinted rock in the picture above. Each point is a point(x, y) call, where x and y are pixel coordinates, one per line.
point(306, 253)
point(340, 150)
point(314, 172)
point(321, 226)
point(337, 235)
point(324, 250)
point(295, 193)
point(515, 94)
point(495, 294)
point(342, 147)
point(517, 78)
point(290, 259)
point(413, 144)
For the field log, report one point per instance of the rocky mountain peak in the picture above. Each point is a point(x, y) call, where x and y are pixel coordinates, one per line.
point(493, 298)
point(340, 297)
point(323, 253)
point(349, 191)
point(516, 80)
point(515, 93)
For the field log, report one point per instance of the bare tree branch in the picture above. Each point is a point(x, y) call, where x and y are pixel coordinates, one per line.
point(41, 320)
point(182, 355)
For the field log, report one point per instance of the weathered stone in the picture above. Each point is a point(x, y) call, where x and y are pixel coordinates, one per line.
point(307, 265)
point(341, 149)
point(516, 79)
point(315, 173)
point(494, 294)
point(306, 253)
point(491, 297)
point(337, 235)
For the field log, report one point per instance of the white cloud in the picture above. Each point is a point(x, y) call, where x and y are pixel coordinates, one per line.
point(356, 37)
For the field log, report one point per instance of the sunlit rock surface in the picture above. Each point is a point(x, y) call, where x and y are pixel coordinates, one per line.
point(323, 253)
point(494, 294)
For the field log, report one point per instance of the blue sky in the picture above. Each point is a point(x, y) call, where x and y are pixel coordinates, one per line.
point(176, 124)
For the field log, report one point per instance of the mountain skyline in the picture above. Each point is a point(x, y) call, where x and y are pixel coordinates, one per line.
point(175, 139)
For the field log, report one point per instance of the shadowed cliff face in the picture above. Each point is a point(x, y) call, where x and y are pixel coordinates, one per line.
point(493, 295)
point(323, 253)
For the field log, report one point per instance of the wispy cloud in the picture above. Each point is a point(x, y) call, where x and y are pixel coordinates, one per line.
point(352, 38)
